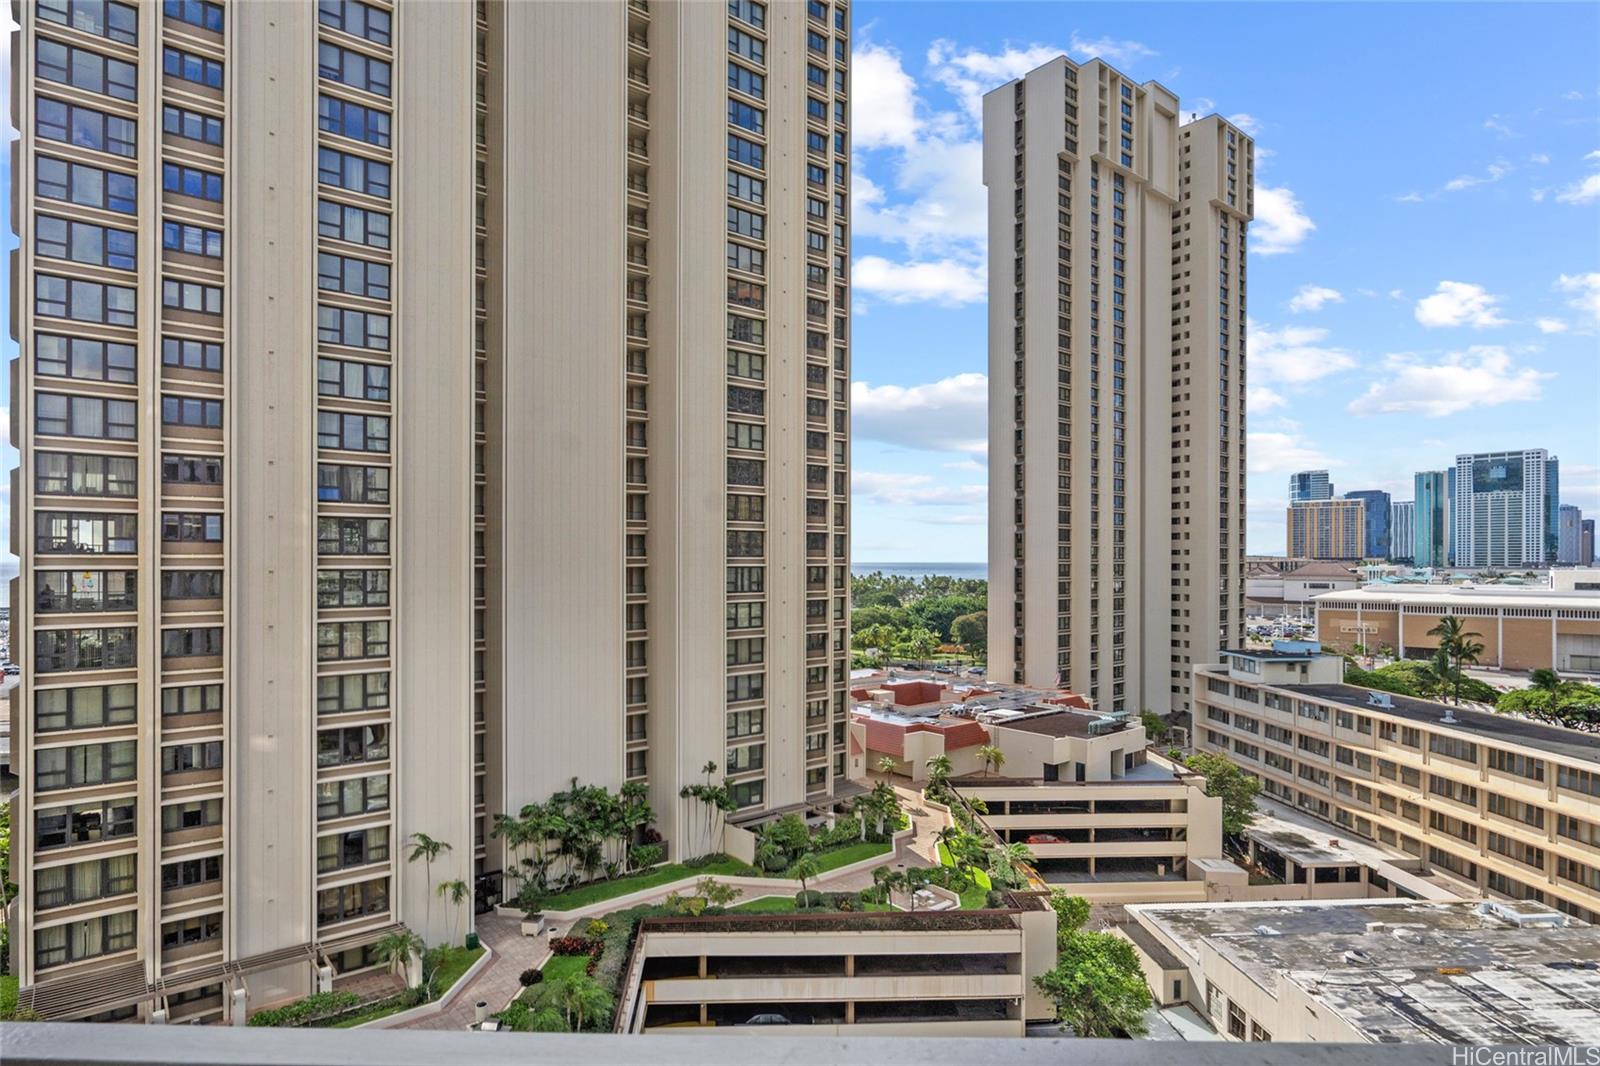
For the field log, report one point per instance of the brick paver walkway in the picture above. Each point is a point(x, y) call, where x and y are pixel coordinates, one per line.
point(498, 982)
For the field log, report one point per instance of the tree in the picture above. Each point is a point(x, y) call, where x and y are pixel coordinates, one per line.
point(426, 848)
point(1155, 726)
point(991, 756)
point(1237, 789)
point(887, 765)
point(939, 771)
point(457, 893)
point(920, 644)
point(1072, 912)
point(1546, 679)
point(396, 948)
point(716, 893)
point(1006, 863)
point(1459, 644)
point(1097, 986)
point(972, 632)
point(580, 996)
point(1467, 651)
point(804, 869)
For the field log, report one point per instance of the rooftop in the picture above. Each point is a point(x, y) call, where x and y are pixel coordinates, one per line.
point(1321, 569)
point(1460, 595)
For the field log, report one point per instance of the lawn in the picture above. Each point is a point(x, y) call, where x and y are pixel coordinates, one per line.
point(453, 963)
point(8, 995)
point(557, 968)
point(598, 891)
point(832, 860)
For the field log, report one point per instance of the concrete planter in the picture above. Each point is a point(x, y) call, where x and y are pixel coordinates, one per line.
point(435, 1006)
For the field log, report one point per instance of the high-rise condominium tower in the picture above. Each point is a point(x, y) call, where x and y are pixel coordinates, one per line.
point(1116, 350)
point(1310, 485)
point(1326, 529)
point(1506, 508)
point(1375, 522)
point(1402, 530)
point(1569, 534)
point(1431, 543)
point(396, 446)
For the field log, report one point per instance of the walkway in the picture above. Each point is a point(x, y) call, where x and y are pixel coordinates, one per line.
point(497, 982)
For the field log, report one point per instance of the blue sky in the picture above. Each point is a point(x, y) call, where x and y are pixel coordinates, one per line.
point(1425, 272)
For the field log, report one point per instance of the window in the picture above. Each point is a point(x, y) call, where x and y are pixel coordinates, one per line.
point(56, 415)
point(352, 901)
point(743, 257)
point(353, 536)
point(356, 329)
point(352, 588)
point(196, 814)
point(191, 181)
point(748, 793)
point(186, 932)
point(356, 18)
point(746, 116)
point(746, 435)
point(77, 474)
point(187, 758)
point(84, 301)
point(747, 81)
point(191, 240)
point(200, 13)
point(359, 847)
point(751, 48)
point(84, 359)
point(750, 365)
point(191, 699)
point(358, 277)
point(746, 544)
point(742, 508)
point(191, 584)
point(1507, 762)
point(108, 934)
point(355, 69)
point(84, 242)
point(89, 707)
point(749, 11)
point(67, 591)
point(85, 127)
point(1452, 747)
point(75, 533)
point(352, 484)
point(747, 330)
point(746, 472)
point(85, 69)
point(190, 67)
point(746, 651)
point(353, 120)
point(87, 186)
point(355, 381)
point(198, 642)
point(746, 687)
point(359, 433)
point(113, 21)
point(190, 411)
point(191, 470)
point(83, 764)
point(361, 743)
point(193, 125)
point(352, 795)
point(354, 224)
point(747, 223)
point(191, 296)
point(181, 526)
point(353, 692)
point(356, 173)
point(191, 355)
point(749, 153)
point(186, 873)
point(352, 640)
point(83, 823)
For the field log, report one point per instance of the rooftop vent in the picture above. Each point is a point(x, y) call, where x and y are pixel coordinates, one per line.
point(1522, 916)
point(1408, 934)
point(1357, 957)
point(1379, 699)
point(1374, 927)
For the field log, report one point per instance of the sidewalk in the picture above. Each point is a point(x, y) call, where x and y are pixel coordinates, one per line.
point(497, 982)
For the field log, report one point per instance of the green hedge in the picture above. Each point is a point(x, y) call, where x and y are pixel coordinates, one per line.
point(319, 1006)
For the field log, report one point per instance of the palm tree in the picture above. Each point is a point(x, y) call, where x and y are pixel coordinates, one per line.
point(456, 892)
point(939, 770)
point(636, 815)
point(882, 881)
point(861, 807)
point(581, 996)
point(887, 765)
point(395, 949)
point(1546, 679)
point(804, 869)
point(991, 756)
point(1467, 652)
point(426, 848)
point(1458, 644)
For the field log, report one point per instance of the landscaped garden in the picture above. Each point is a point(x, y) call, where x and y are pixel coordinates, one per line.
point(442, 967)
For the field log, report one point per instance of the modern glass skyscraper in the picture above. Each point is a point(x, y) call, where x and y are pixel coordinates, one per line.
point(1376, 505)
point(1402, 530)
point(1310, 485)
point(1431, 538)
point(1506, 509)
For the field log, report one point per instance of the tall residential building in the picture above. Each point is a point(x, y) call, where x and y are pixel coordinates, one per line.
point(1505, 508)
point(1310, 485)
point(1116, 349)
point(1586, 543)
point(1569, 534)
point(1375, 505)
point(1431, 541)
point(368, 407)
point(1327, 529)
point(1403, 530)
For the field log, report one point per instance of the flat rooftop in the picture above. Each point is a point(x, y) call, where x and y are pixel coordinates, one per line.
point(1572, 743)
point(1416, 595)
point(1272, 654)
point(1406, 970)
point(1062, 722)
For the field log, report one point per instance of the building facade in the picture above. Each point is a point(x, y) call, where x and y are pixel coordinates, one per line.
point(1378, 536)
point(1403, 531)
point(1505, 509)
point(1116, 436)
point(1327, 529)
point(1586, 543)
point(1432, 545)
point(1569, 535)
point(303, 362)
point(1310, 485)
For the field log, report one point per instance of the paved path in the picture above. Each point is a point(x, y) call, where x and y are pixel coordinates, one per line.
point(496, 982)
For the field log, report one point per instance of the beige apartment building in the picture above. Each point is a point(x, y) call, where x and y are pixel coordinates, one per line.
point(260, 470)
point(1502, 804)
point(1115, 423)
point(1327, 529)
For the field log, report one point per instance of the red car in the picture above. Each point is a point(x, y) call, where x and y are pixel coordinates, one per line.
point(1045, 838)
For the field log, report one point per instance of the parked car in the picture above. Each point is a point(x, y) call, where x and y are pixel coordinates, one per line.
point(1045, 838)
point(768, 1019)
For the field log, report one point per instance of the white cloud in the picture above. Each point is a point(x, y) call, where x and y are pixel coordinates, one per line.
point(941, 201)
point(1246, 122)
point(949, 415)
point(1494, 173)
point(1594, 155)
point(1284, 453)
point(943, 281)
point(1198, 107)
point(1456, 303)
point(912, 490)
point(1539, 158)
point(1294, 355)
point(878, 76)
point(1551, 325)
point(1314, 297)
point(1409, 198)
point(1586, 191)
point(1109, 49)
point(1585, 290)
point(1481, 376)
point(1260, 398)
point(1494, 125)
point(970, 74)
point(1280, 224)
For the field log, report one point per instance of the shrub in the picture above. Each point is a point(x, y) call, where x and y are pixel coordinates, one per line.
point(305, 1011)
point(704, 860)
point(993, 899)
point(574, 945)
point(645, 855)
point(530, 976)
point(595, 928)
point(518, 1016)
point(842, 901)
point(808, 899)
point(772, 858)
point(651, 835)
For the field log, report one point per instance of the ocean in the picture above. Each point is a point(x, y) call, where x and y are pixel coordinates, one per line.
point(919, 570)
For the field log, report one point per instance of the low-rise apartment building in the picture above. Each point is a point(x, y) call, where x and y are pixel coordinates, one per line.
point(1508, 805)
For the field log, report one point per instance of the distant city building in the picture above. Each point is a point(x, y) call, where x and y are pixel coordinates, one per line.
point(1327, 529)
point(1586, 543)
point(1505, 508)
point(1430, 545)
point(1310, 485)
point(1403, 531)
point(1569, 534)
point(1376, 521)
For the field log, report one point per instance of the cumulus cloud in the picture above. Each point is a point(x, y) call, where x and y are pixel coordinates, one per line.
point(943, 281)
point(1284, 453)
point(1585, 291)
point(879, 76)
point(1109, 49)
point(1259, 398)
point(1314, 298)
point(1494, 124)
point(970, 73)
point(1246, 122)
point(1586, 191)
point(1494, 173)
point(1481, 376)
point(1457, 303)
point(1281, 222)
point(949, 415)
point(1551, 325)
point(1294, 355)
point(912, 490)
